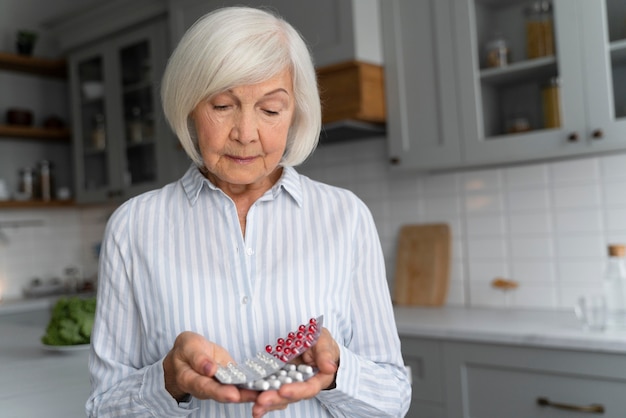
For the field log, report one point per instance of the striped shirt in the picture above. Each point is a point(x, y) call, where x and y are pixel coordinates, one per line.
point(175, 259)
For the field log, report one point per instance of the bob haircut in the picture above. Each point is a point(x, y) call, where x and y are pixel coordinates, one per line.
point(236, 46)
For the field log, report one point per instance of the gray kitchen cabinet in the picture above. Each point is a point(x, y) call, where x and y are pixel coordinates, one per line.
point(489, 380)
point(336, 30)
point(425, 359)
point(564, 102)
point(422, 116)
point(588, 64)
point(456, 379)
point(120, 137)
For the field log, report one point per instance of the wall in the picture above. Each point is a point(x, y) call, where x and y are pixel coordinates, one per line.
point(544, 225)
point(50, 241)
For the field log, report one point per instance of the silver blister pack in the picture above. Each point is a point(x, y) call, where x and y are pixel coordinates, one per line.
point(270, 369)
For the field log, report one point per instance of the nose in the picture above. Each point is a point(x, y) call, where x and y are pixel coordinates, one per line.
point(245, 128)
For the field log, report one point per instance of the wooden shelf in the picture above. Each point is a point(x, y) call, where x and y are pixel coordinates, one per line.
point(35, 133)
point(56, 68)
point(35, 204)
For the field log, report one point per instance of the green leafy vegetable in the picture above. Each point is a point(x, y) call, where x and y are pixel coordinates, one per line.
point(71, 322)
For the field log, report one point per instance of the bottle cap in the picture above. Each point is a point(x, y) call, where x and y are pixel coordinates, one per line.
point(617, 250)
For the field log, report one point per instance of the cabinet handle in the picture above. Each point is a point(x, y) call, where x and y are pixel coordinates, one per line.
point(394, 160)
point(597, 134)
point(591, 409)
point(573, 137)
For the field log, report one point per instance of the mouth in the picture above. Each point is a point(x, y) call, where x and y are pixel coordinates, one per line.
point(241, 160)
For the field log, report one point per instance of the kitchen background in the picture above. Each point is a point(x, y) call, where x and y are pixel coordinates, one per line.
point(545, 225)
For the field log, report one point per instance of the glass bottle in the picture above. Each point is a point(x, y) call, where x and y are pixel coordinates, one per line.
point(615, 286)
point(135, 126)
point(551, 104)
point(45, 181)
point(539, 30)
point(98, 135)
point(26, 183)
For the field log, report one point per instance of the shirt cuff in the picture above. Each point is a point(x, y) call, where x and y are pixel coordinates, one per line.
point(346, 382)
point(157, 398)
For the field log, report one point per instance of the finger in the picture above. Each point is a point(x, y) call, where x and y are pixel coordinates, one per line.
point(268, 401)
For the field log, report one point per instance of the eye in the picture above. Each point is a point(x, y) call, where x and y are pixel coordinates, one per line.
point(270, 112)
point(221, 107)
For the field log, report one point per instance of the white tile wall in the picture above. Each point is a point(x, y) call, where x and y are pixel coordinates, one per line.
point(51, 241)
point(545, 225)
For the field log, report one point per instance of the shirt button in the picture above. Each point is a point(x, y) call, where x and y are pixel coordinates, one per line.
point(249, 251)
point(245, 300)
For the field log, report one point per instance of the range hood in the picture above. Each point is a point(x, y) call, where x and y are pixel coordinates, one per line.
point(353, 101)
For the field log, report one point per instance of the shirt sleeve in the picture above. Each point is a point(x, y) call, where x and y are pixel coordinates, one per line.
point(119, 386)
point(371, 380)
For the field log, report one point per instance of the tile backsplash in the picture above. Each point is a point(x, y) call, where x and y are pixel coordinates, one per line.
point(544, 225)
point(43, 243)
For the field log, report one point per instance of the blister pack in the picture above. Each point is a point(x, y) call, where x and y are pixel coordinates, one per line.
point(270, 369)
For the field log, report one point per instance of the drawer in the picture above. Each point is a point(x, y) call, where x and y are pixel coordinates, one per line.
point(423, 356)
point(512, 392)
point(492, 381)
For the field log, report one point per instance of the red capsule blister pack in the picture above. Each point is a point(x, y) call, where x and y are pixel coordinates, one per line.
point(270, 369)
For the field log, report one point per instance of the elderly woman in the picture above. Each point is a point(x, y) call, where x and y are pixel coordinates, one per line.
point(210, 269)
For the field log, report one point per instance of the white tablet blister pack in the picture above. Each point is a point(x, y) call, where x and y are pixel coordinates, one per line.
point(270, 369)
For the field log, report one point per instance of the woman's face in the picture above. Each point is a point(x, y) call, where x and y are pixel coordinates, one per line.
point(242, 132)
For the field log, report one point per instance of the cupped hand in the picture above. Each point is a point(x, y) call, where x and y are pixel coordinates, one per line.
point(189, 368)
point(325, 357)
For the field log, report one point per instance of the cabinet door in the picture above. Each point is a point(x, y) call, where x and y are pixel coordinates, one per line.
point(605, 72)
point(135, 97)
point(485, 381)
point(90, 74)
point(118, 127)
point(506, 108)
point(422, 118)
point(424, 359)
point(330, 27)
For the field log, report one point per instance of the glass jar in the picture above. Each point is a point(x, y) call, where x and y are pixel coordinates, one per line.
point(539, 30)
point(550, 97)
point(98, 135)
point(497, 53)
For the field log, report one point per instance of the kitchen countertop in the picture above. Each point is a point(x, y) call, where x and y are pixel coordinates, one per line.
point(35, 382)
point(547, 329)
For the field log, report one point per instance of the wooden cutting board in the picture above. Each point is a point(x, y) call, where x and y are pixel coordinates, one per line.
point(422, 265)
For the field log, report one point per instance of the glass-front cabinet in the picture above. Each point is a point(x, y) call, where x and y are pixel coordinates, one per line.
point(119, 131)
point(540, 78)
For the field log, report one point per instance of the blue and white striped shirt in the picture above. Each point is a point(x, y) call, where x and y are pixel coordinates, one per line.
point(175, 259)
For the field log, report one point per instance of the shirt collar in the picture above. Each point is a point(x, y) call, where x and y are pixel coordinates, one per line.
point(193, 181)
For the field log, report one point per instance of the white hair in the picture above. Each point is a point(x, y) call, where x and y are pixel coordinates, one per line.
point(236, 46)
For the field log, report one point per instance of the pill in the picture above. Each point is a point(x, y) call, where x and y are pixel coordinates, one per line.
point(295, 375)
point(305, 368)
point(285, 380)
point(261, 384)
point(275, 384)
